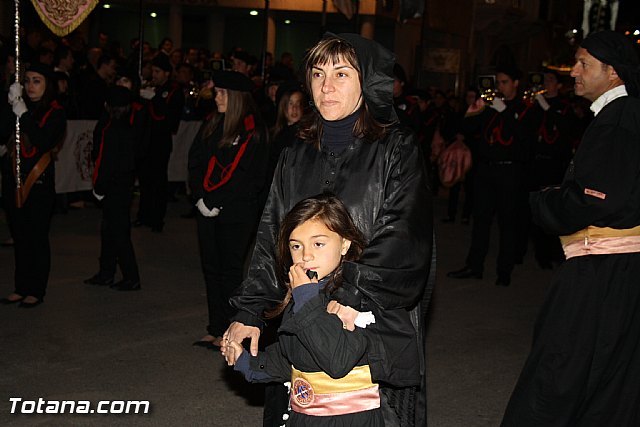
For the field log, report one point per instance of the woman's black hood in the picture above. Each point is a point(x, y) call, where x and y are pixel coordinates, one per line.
point(376, 68)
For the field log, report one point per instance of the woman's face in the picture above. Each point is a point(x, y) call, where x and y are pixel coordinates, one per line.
point(336, 89)
point(316, 248)
point(34, 84)
point(294, 108)
point(222, 98)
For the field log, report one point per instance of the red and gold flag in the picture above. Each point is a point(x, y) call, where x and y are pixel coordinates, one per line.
point(63, 16)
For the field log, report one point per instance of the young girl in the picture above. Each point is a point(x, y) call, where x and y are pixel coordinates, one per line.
point(114, 140)
point(325, 361)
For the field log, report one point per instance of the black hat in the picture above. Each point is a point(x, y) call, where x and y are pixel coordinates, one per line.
point(129, 73)
point(118, 96)
point(40, 68)
point(614, 49)
point(242, 56)
point(161, 61)
point(232, 80)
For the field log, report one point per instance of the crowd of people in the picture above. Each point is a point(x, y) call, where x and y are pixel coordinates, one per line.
point(323, 178)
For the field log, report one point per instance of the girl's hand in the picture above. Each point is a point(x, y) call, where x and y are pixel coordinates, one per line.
point(231, 350)
point(297, 276)
point(346, 314)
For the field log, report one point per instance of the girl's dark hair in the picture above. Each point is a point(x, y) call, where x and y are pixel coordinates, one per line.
point(281, 119)
point(239, 105)
point(332, 212)
point(331, 50)
point(41, 107)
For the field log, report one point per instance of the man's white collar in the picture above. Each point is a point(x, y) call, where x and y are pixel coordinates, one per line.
point(607, 97)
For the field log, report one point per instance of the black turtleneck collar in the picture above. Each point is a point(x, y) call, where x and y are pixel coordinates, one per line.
point(338, 134)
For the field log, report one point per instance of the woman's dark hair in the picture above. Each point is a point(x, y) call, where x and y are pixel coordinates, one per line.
point(331, 50)
point(40, 107)
point(334, 215)
point(239, 105)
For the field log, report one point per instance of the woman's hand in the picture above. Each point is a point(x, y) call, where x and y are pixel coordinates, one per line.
point(346, 314)
point(231, 350)
point(297, 276)
point(239, 332)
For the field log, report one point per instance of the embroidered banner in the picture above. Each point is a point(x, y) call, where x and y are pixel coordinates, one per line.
point(63, 16)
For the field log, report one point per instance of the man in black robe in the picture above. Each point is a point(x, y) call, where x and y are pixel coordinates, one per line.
point(584, 365)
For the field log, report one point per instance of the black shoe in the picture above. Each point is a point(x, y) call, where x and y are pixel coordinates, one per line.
point(98, 281)
point(503, 281)
point(127, 285)
point(464, 273)
point(29, 304)
point(448, 219)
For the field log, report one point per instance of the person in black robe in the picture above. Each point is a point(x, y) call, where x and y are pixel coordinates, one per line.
point(584, 364)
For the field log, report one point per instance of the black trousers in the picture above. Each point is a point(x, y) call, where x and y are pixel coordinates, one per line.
point(223, 250)
point(30, 230)
point(154, 184)
point(454, 196)
point(498, 191)
point(115, 231)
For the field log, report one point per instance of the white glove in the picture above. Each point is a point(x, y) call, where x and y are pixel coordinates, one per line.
point(97, 196)
point(542, 101)
point(15, 92)
point(498, 105)
point(147, 93)
point(205, 211)
point(19, 108)
point(364, 319)
point(3, 150)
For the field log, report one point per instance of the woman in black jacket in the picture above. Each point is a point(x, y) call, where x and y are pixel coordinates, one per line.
point(354, 148)
point(227, 172)
point(42, 127)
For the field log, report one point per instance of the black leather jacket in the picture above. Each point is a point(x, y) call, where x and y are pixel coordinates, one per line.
point(384, 186)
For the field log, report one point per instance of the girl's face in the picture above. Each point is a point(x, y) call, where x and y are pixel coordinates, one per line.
point(315, 247)
point(34, 84)
point(294, 108)
point(221, 100)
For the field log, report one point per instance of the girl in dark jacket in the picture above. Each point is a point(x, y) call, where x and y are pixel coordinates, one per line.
point(325, 361)
point(227, 172)
point(113, 153)
point(42, 127)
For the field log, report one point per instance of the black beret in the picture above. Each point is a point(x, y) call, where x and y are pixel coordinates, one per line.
point(242, 56)
point(161, 61)
point(118, 96)
point(232, 80)
point(40, 68)
point(614, 49)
